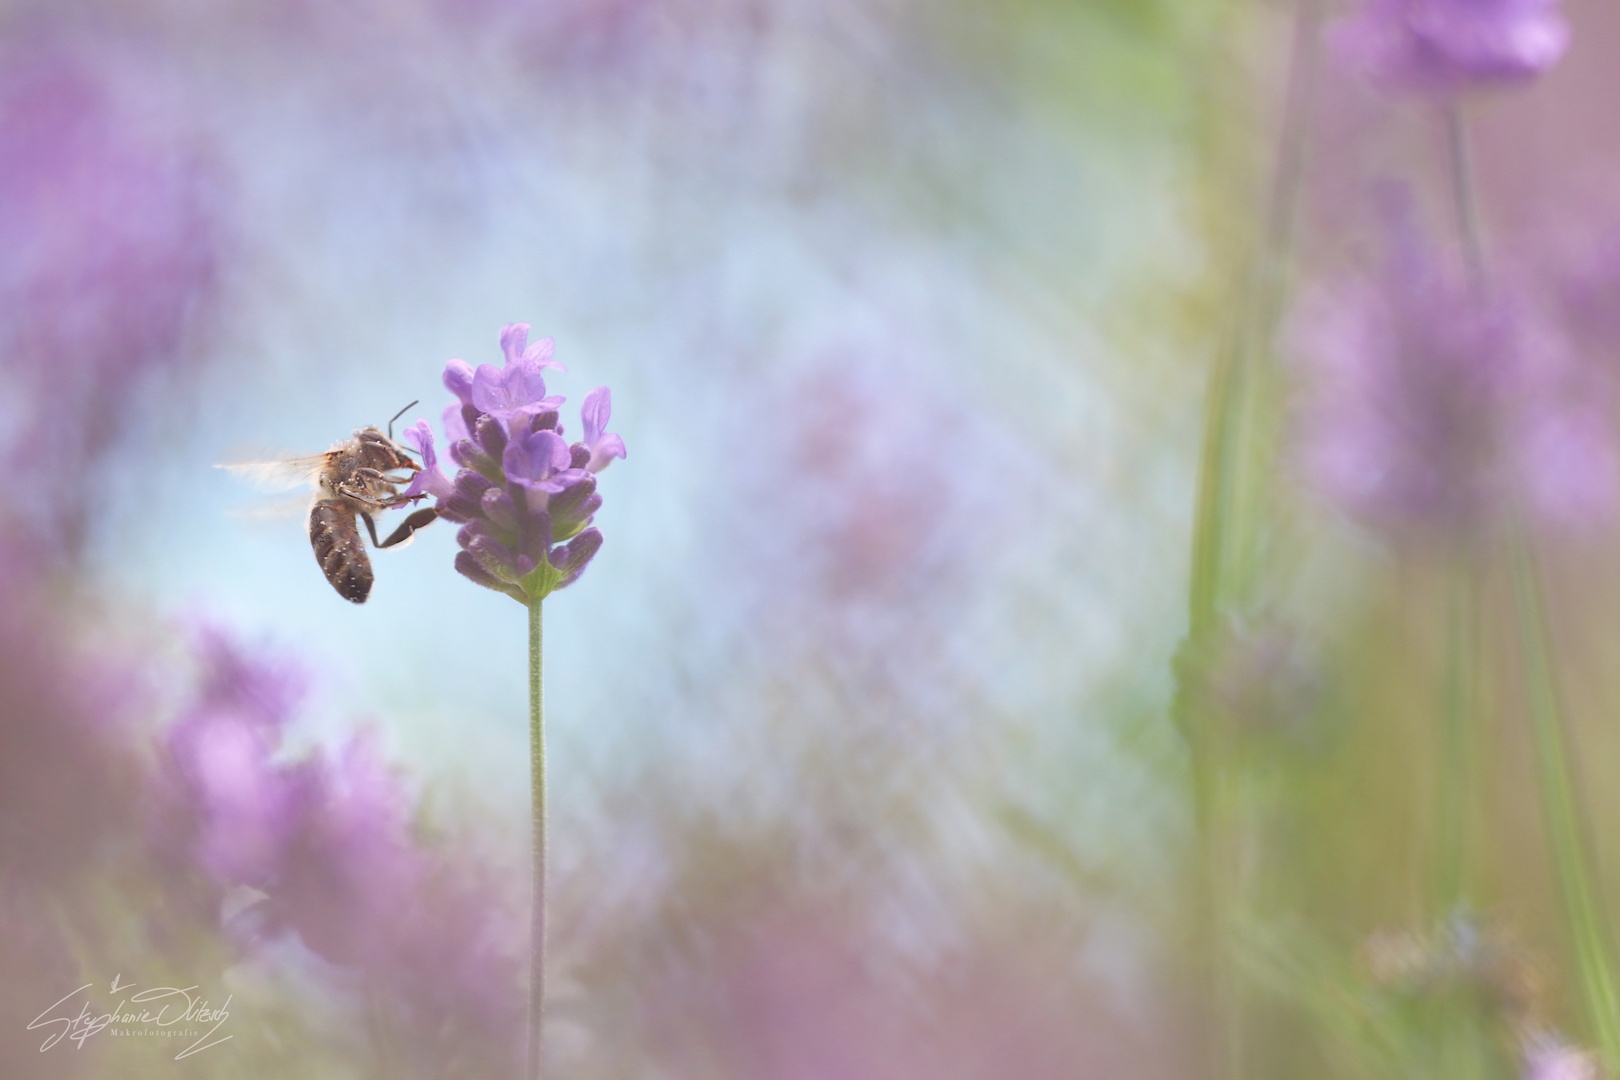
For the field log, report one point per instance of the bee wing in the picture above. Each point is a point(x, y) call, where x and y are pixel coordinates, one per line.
point(278, 475)
point(276, 508)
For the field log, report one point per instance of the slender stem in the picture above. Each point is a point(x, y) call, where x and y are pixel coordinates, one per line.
point(1220, 543)
point(537, 825)
point(1225, 542)
point(1464, 199)
point(1456, 744)
point(1561, 812)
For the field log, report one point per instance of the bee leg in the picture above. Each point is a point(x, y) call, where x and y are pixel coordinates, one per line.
point(421, 519)
point(360, 496)
point(371, 527)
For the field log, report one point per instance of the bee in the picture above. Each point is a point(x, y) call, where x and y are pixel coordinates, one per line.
point(357, 478)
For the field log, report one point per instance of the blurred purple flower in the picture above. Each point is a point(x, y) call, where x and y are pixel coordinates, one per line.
point(525, 498)
point(1445, 46)
point(1432, 404)
point(1547, 1057)
point(330, 842)
point(242, 808)
point(109, 241)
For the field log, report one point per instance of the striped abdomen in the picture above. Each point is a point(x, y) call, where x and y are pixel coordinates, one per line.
point(335, 536)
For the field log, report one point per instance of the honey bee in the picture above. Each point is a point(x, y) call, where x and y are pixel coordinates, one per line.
point(355, 479)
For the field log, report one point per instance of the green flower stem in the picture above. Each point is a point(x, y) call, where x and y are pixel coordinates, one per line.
point(1234, 468)
point(537, 781)
point(1464, 202)
point(1456, 772)
point(1561, 812)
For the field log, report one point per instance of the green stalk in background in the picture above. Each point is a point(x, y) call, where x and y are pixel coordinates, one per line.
point(1234, 473)
point(1561, 811)
point(1457, 745)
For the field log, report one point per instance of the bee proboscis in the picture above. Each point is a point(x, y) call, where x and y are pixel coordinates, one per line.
point(356, 479)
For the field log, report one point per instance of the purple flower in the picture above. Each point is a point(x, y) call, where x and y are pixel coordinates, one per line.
point(525, 498)
point(539, 461)
point(1444, 46)
point(429, 480)
point(603, 445)
point(330, 840)
point(458, 379)
point(1547, 1057)
point(111, 232)
point(1430, 404)
point(514, 393)
point(242, 804)
point(513, 339)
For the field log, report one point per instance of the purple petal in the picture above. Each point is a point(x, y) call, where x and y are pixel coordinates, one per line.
point(458, 379)
point(594, 413)
point(489, 389)
point(513, 338)
point(604, 447)
point(429, 480)
point(539, 354)
point(455, 424)
point(525, 384)
point(610, 447)
point(535, 456)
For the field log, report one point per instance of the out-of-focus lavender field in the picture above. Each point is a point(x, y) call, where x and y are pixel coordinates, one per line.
point(1114, 573)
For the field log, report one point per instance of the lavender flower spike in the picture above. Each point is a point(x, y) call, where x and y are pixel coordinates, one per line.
point(1446, 46)
point(525, 497)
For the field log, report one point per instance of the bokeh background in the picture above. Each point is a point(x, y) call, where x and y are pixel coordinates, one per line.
point(862, 724)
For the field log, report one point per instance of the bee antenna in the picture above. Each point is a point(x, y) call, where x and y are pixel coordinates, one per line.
point(396, 416)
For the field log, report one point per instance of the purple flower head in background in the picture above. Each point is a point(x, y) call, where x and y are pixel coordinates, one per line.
point(1547, 1057)
point(242, 806)
point(524, 496)
point(1446, 46)
point(111, 231)
point(330, 841)
point(1430, 404)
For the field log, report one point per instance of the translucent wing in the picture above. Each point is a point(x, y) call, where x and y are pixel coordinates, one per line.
point(272, 508)
point(278, 475)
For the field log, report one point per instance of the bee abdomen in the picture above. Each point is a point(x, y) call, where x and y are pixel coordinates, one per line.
point(335, 536)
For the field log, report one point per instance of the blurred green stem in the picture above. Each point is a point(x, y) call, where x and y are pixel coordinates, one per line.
point(537, 853)
point(1224, 547)
point(1464, 202)
point(1457, 744)
point(1561, 811)
point(1233, 468)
